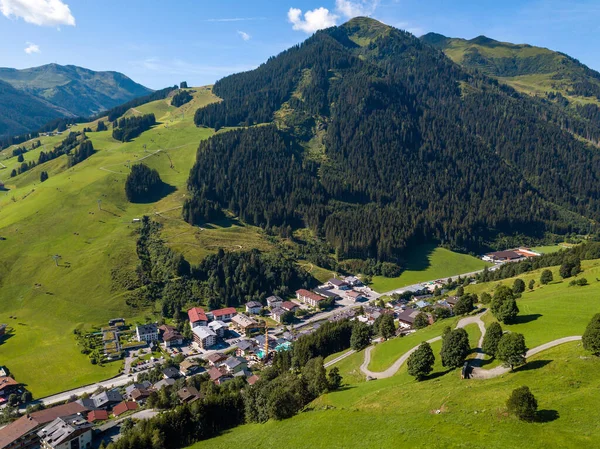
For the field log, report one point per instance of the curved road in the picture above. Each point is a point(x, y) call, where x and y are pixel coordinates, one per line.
point(477, 373)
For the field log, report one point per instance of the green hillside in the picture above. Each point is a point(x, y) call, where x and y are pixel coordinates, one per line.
point(445, 411)
point(529, 69)
point(97, 247)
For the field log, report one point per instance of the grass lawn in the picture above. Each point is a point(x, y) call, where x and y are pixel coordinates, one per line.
point(402, 412)
point(97, 247)
point(549, 248)
point(428, 263)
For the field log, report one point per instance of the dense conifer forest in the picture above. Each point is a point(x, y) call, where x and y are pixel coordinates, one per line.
point(127, 128)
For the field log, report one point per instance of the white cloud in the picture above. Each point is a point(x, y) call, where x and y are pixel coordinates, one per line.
point(32, 48)
point(244, 36)
point(350, 9)
point(38, 12)
point(314, 20)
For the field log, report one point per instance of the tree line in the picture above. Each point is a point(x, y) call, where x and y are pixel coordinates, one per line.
point(127, 128)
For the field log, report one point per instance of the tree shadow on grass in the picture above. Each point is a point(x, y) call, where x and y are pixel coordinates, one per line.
point(164, 190)
point(523, 319)
point(536, 364)
point(543, 416)
point(484, 362)
point(438, 374)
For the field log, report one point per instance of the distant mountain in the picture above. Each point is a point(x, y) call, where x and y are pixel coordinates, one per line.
point(377, 141)
point(67, 90)
point(529, 69)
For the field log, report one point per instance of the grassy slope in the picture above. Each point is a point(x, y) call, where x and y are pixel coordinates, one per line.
point(61, 216)
point(427, 263)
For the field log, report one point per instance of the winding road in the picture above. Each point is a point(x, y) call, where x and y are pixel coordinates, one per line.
point(477, 373)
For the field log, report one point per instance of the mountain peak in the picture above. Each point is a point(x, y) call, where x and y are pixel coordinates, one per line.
point(364, 30)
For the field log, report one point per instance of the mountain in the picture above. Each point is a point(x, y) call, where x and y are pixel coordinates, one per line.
point(376, 140)
point(529, 69)
point(68, 91)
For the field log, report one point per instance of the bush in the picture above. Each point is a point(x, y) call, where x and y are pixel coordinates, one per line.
point(522, 403)
point(518, 286)
point(546, 277)
point(578, 282)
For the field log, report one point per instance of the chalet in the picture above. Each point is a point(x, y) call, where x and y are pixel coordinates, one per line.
point(277, 314)
point(225, 314)
point(204, 337)
point(97, 415)
point(67, 432)
point(140, 395)
point(218, 327)
point(274, 301)
point(253, 307)
point(338, 283)
point(147, 332)
point(355, 296)
point(170, 336)
point(171, 373)
point(245, 324)
point(406, 319)
point(309, 298)
point(197, 317)
point(106, 399)
point(234, 364)
point(188, 394)
point(163, 384)
point(244, 348)
point(289, 306)
point(22, 433)
point(216, 358)
point(189, 367)
point(124, 407)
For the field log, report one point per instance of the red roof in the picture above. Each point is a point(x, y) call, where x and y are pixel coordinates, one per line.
point(289, 305)
point(97, 415)
point(197, 314)
point(252, 379)
point(123, 407)
point(7, 382)
point(306, 294)
point(225, 311)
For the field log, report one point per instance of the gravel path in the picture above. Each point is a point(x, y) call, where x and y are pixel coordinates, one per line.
point(337, 359)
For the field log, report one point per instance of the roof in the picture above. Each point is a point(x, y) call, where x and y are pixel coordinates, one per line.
point(252, 379)
point(217, 324)
point(326, 293)
point(354, 294)
point(337, 282)
point(278, 311)
point(215, 373)
point(123, 407)
point(408, 315)
point(64, 429)
point(204, 332)
point(274, 298)
point(216, 357)
point(106, 397)
point(253, 304)
point(452, 300)
point(307, 294)
point(171, 372)
point(140, 393)
point(505, 255)
point(163, 383)
point(6, 382)
point(234, 362)
point(187, 364)
point(197, 314)
point(243, 320)
point(17, 429)
point(172, 335)
point(225, 311)
point(244, 344)
point(97, 415)
point(289, 305)
point(151, 328)
point(187, 393)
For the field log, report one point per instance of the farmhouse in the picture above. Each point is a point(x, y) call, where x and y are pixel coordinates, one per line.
point(225, 314)
point(245, 324)
point(68, 432)
point(147, 332)
point(253, 307)
point(204, 337)
point(274, 301)
point(197, 317)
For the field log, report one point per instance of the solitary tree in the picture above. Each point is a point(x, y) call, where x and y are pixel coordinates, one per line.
point(455, 348)
point(420, 362)
point(546, 277)
point(493, 334)
point(531, 284)
point(518, 286)
point(511, 349)
point(43, 176)
point(522, 403)
point(20, 158)
point(591, 336)
point(504, 306)
point(334, 379)
point(421, 321)
point(569, 268)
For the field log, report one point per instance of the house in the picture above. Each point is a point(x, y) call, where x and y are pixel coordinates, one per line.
point(216, 358)
point(253, 307)
point(170, 336)
point(327, 293)
point(234, 364)
point(252, 379)
point(66, 432)
point(274, 301)
point(502, 256)
point(147, 332)
point(204, 337)
point(106, 399)
point(123, 407)
point(136, 386)
point(260, 341)
point(289, 306)
point(189, 367)
point(277, 314)
point(22, 433)
point(406, 318)
point(355, 296)
point(7, 386)
point(171, 373)
point(347, 314)
point(87, 403)
point(243, 373)
point(219, 327)
point(244, 348)
point(421, 304)
point(338, 283)
point(140, 395)
point(309, 298)
point(353, 281)
point(97, 415)
point(197, 317)
point(225, 314)
point(218, 376)
point(188, 394)
point(452, 300)
point(245, 324)
point(163, 384)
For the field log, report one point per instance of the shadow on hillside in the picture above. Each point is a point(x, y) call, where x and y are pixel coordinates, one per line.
point(419, 258)
point(484, 362)
point(164, 190)
point(438, 374)
point(224, 223)
point(6, 337)
point(523, 319)
point(536, 364)
point(546, 416)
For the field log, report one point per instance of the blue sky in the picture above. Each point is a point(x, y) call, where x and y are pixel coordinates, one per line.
point(162, 43)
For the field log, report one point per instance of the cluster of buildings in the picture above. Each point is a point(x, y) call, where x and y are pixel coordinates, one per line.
point(511, 255)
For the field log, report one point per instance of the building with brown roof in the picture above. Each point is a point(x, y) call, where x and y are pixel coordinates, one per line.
point(289, 306)
point(125, 406)
point(225, 314)
point(308, 297)
point(216, 358)
point(188, 394)
point(97, 415)
point(197, 317)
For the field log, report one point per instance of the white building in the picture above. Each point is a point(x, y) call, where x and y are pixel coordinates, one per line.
point(70, 432)
point(274, 301)
point(204, 337)
point(147, 332)
point(219, 327)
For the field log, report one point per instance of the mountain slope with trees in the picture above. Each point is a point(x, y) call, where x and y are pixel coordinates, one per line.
point(377, 141)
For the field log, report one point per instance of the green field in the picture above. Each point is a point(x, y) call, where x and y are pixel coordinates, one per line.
point(97, 247)
point(549, 249)
point(427, 263)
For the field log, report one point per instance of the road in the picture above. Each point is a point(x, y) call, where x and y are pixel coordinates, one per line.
point(141, 415)
point(337, 359)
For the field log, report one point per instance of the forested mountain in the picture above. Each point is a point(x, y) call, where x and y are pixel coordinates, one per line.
point(377, 140)
point(53, 91)
point(527, 68)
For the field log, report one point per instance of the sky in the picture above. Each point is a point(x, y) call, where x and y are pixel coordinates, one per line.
point(160, 43)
